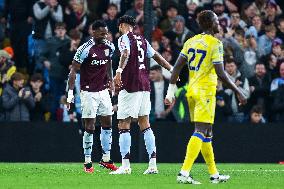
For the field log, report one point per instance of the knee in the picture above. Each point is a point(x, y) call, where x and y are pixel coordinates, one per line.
point(124, 124)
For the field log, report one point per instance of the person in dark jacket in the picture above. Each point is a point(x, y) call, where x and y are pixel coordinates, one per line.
point(56, 70)
point(17, 100)
point(19, 14)
point(41, 98)
point(158, 93)
point(223, 108)
point(259, 88)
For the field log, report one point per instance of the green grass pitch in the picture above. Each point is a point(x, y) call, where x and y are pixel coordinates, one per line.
point(71, 175)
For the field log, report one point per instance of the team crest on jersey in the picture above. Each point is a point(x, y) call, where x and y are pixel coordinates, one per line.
point(107, 52)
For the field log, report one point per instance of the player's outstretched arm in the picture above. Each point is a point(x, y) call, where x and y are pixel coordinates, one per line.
point(161, 61)
point(181, 61)
point(71, 82)
point(122, 63)
point(219, 68)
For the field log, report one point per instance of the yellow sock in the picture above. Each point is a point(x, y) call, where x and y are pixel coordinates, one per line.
point(208, 155)
point(192, 151)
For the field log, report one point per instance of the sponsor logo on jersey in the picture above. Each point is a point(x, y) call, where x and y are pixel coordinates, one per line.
point(99, 62)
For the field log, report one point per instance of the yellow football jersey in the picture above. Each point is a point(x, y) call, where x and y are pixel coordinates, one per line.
point(202, 52)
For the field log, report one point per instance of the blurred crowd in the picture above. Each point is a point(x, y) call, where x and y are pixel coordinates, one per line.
point(38, 39)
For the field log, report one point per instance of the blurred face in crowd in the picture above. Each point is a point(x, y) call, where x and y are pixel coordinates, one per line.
point(78, 7)
point(18, 83)
point(155, 45)
point(155, 75)
point(165, 41)
point(75, 42)
point(271, 34)
point(167, 55)
point(139, 4)
point(179, 26)
point(282, 70)
point(260, 70)
point(235, 19)
point(251, 11)
point(60, 32)
point(272, 61)
point(156, 3)
point(276, 49)
point(219, 9)
point(112, 11)
point(281, 26)
point(191, 6)
point(255, 117)
point(172, 13)
point(36, 85)
point(271, 10)
point(256, 22)
point(100, 34)
point(231, 68)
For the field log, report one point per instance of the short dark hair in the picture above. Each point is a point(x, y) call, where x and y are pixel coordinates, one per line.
point(156, 68)
point(240, 31)
point(205, 19)
point(112, 5)
point(60, 24)
point(259, 63)
point(256, 109)
point(230, 60)
point(127, 20)
point(17, 76)
point(75, 34)
point(98, 24)
point(37, 77)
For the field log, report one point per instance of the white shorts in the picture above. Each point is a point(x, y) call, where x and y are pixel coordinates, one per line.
point(133, 104)
point(95, 103)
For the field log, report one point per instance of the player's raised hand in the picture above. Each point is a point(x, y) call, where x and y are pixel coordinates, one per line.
point(242, 98)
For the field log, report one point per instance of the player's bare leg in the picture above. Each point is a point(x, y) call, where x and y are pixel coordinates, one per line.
point(106, 141)
point(149, 138)
point(89, 124)
point(124, 145)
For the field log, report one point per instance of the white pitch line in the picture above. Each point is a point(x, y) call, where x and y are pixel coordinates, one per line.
point(255, 170)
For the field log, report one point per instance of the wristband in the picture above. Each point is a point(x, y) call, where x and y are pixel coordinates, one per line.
point(119, 70)
point(172, 69)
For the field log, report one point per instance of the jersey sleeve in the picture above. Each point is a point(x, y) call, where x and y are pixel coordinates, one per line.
point(112, 49)
point(184, 50)
point(123, 43)
point(150, 50)
point(217, 53)
point(81, 54)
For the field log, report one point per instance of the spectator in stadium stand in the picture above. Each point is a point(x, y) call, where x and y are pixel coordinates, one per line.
point(181, 31)
point(257, 25)
point(236, 21)
point(111, 19)
point(191, 15)
point(219, 9)
point(46, 14)
point(18, 14)
point(157, 9)
point(249, 10)
point(277, 92)
point(271, 12)
point(271, 67)
point(76, 16)
point(168, 23)
point(42, 100)
point(265, 41)
point(280, 29)
point(137, 11)
point(250, 54)
point(242, 82)
point(223, 108)
point(159, 87)
point(256, 115)
point(17, 99)
point(50, 59)
point(7, 69)
point(277, 49)
point(259, 88)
